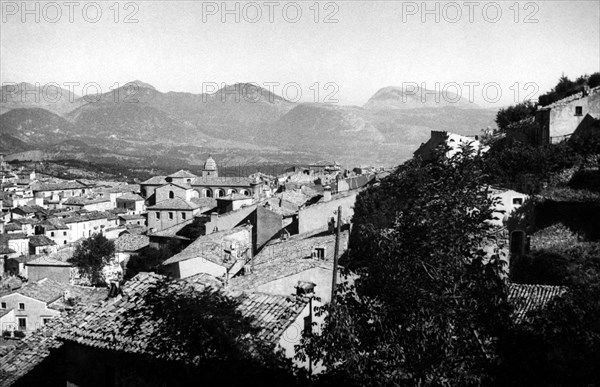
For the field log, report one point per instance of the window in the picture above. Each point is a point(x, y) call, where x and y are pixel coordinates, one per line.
point(578, 110)
point(171, 195)
point(22, 323)
point(517, 201)
point(318, 253)
point(3, 305)
point(170, 215)
point(21, 306)
point(52, 233)
point(183, 214)
point(158, 215)
point(64, 242)
point(64, 233)
point(46, 320)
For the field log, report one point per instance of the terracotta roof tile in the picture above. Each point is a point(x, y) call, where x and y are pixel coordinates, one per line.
point(174, 204)
point(526, 298)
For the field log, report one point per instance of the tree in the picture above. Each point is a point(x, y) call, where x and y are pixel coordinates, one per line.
point(150, 259)
point(560, 344)
point(429, 302)
point(515, 113)
point(92, 255)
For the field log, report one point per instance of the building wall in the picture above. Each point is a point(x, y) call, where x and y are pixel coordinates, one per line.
point(287, 285)
point(563, 120)
point(509, 202)
point(20, 246)
point(60, 237)
point(268, 224)
point(57, 273)
point(162, 193)
point(190, 267)
point(319, 215)
point(34, 310)
point(229, 220)
point(164, 221)
point(8, 322)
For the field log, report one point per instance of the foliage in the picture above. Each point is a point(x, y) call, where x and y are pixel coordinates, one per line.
point(545, 267)
point(525, 167)
point(560, 345)
point(565, 88)
point(150, 260)
point(594, 80)
point(429, 302)
point(92, 255)
point(515, 113)
point(205, 331)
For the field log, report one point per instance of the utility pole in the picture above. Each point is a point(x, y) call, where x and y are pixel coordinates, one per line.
point(336, 254)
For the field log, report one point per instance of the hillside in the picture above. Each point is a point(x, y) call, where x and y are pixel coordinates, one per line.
point(27, 95)
point(245, 123)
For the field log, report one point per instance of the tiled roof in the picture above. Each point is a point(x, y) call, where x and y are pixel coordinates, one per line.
point(40, 240)
point(183, 174)
point(102, 326)
point(54, 224)
point(130, 197)
point(174, 204)
point(29, 352)
point(132, 217)
point(12, 227)
point(222, 181)
point(570, 98)
point(47, 261)
point(526, 298)
point(155, 180)
point(87, 216)
point(82, 201)
point(57, 186)
point(281, 259)
point(210, 247)
point(6, 250)
point(205, 202)
point(46, 290)
point(173, 231)
point(129, 242)
point(359, 181)
point(14, 235)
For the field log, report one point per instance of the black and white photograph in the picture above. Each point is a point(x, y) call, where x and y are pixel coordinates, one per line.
point(306, 193)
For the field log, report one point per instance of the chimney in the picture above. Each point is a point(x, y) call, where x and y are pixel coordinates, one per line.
point(327, 193)
point(213, 217)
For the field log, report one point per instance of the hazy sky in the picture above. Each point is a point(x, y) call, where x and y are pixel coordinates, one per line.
point(186, 46)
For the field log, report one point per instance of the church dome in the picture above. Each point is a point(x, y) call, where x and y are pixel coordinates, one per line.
point(210, 164)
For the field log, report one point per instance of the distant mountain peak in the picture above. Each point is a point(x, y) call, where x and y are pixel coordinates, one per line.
point(398, 97)
point(140, 84)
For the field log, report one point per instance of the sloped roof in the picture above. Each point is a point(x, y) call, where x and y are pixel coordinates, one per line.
point(205, 202)
point(174, 204)
point(222, 181)
point(45, 290)
point(29, 352)
point(526, 298)
point(209, 247)
point(129, 196)
point(132, 216)
point(130, 242)
point(57, 186)
point(281, 259)
point(102, 326)
point(48, 261)
point(183, 174)
point(40, 240)
point(155, 180)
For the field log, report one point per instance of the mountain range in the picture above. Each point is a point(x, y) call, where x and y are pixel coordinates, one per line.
point(240, 122)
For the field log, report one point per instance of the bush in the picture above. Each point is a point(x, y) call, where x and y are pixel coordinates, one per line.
point(586, 179)
point(594, 80)
point(6, 334)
